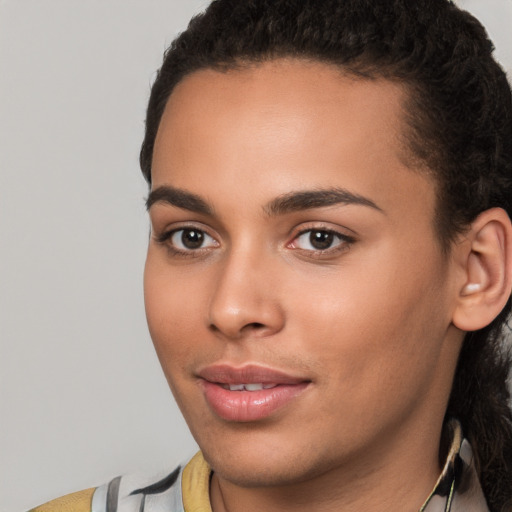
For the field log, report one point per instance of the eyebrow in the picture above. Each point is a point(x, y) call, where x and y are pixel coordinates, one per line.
point(309, 199)
point(286, 203)
point(179, 198)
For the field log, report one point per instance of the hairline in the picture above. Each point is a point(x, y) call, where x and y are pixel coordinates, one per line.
point(359, 71)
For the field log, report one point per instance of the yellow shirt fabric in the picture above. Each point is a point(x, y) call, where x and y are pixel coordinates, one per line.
point(195, 485)
point(75, 502)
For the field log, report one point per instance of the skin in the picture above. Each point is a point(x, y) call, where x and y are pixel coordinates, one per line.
point(367, 322)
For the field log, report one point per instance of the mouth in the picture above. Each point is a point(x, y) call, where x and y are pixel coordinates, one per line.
point(249, 393)
point(248, 387)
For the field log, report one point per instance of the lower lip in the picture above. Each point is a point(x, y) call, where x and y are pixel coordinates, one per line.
point(245, 406)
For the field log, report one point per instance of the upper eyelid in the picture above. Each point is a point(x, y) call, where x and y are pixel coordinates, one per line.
point(304, 227)
point(164, 239)
point(328, 230)
point(167, 233)
point(344, 243)
point(185, 224)
point(164, 214)
point(342, 236)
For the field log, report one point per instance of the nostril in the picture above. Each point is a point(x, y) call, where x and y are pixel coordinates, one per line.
point(238, 332)
point(252, 325)
point(213, 328)
point(255, 326)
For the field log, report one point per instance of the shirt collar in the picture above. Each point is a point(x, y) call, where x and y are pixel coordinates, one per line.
point(457, 488)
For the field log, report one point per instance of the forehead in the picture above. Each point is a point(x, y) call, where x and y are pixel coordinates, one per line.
point(282, 125)
point(302, 99)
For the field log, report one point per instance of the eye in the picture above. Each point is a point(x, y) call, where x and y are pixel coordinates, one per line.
point(190, 239)
point(320, 240)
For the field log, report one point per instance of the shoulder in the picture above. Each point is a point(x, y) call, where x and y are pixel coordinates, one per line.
point(76, 502)
point(130, 493)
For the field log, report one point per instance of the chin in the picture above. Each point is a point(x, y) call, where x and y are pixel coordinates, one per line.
point(261, 461)
point(265, 473)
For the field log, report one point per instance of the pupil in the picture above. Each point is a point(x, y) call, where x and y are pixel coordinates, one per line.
point(321, 239)
point(192, 239)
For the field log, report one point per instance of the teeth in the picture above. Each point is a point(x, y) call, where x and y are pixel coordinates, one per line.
point(253, 387)
point(248, 387)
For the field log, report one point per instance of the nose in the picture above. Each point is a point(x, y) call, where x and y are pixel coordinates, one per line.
point(245, 300)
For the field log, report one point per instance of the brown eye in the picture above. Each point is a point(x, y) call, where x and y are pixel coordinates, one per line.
point(189, 239)
point(192, 238)
point(318, 240)
point(321, 240)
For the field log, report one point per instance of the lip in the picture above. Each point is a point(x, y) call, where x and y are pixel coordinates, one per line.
point(247, 406)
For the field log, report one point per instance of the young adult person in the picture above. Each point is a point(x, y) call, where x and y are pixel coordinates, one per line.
point(330, 265)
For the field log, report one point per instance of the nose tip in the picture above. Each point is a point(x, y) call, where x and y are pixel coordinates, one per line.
point(243, 305)
point(237, 322)
point(254, 329)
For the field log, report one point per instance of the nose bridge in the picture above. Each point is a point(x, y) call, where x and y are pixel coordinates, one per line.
point(244, 300)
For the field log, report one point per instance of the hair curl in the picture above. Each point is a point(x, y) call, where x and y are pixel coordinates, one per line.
point(460, 117)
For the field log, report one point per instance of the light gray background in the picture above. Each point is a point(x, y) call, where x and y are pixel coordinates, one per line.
point(82, 397)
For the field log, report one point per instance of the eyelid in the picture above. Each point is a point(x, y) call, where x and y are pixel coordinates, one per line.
point(166, 229)
point(346, 240)
point(163, 237)
point(205, 235)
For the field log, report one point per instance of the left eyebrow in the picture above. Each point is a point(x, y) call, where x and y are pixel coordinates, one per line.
point(309, 199)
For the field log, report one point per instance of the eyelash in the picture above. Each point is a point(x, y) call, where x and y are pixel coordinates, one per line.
point(166, 237)
point(344, 242)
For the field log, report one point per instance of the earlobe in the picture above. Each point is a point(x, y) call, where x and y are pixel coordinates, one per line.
point(487, 277)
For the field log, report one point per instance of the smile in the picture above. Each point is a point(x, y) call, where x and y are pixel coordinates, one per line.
point(250, 393)
point(248, 387)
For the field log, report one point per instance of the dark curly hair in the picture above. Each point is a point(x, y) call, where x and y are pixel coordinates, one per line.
point(459, 113)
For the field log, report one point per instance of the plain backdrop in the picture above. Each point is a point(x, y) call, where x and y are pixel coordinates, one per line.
point(82, 397)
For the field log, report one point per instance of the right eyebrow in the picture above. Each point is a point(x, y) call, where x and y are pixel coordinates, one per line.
point(179, 198)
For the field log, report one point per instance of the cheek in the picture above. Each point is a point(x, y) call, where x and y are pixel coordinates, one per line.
point(373, 323)
point(172, 311)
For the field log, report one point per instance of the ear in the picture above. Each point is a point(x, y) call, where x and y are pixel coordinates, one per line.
point(486, 282)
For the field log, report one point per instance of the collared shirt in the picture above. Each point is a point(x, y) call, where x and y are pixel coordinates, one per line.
point(186, 489)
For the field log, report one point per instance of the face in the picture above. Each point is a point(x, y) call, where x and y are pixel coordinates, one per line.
point(296, 293)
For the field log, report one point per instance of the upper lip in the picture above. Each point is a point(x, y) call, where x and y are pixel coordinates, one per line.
point(247, 374)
